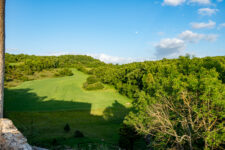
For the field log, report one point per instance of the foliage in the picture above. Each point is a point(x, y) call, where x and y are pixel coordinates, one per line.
point(93, 86)
point(92, 79)
point(67, 128)
point(93, 83)
point(169, 95)
point(128, 136)
point(78, 134)
point(20, 67)
point(82, 68)
point(64, 72)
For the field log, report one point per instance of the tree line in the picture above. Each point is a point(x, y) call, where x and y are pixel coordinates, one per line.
point(18, 67)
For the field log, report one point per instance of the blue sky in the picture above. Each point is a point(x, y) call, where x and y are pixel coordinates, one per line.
point(115, 30)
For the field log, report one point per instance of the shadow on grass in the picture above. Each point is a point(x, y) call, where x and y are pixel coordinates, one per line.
point(41, 121)
point(24, 100)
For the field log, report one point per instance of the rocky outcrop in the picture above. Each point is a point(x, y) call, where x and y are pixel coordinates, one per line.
point(11, 138)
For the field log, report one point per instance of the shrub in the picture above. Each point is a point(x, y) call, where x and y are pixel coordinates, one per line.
point(67, 128)
point(54, 142)
point(78, 134)
point(23, 78)
point(64, 72)
point(82, 69)
point(93, 83)
point(43, 75)
point(94, 86)
point(128, 136)
point(90, 71)
point(92, 79)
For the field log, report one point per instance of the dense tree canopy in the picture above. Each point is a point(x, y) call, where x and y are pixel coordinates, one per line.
point(179, 102)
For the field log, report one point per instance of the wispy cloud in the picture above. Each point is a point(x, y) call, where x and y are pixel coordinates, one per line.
point(13, 50)
point(202, 25)
point(180, 2)
point(173, 2)
point(200, 1)
point(60, 53)
point(117, 60)
point(222, 25)
point(207, 11)
point(111, 59)
point(192, 37)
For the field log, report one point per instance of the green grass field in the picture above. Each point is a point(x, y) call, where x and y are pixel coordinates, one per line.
point(41, 108)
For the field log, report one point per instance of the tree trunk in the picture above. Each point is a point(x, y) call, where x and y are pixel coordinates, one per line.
point(2, 54)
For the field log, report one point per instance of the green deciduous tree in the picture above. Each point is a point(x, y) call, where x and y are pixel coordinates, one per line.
point(190, 116)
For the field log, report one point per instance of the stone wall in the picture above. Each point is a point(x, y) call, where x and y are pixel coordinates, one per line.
point(11, 138)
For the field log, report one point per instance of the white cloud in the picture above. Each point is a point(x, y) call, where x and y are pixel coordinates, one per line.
point(173, 47)
point(173, 2)
point(111, 59)
point(210, 37)
point(202, 25)
point(59, 53)
point(170, 47)
point(8, 50)
point(207, 11)
point(192, 37)
point(180, 2)
point(13, 51)
point(189, 36)
point(200, 1)
point(115, 59)
point(222, 25)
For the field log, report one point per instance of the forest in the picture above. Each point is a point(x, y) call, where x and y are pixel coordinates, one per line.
point(176, 103)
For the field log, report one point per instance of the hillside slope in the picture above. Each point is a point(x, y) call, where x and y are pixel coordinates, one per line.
point(41, 108)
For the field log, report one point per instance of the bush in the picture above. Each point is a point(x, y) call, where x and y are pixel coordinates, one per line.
point(128, 136)
point(43, 75)
point(93, 83)
point(55, 142)
point(67, 128)
point(92, 79)
point(23, 78)
point(90, 71)
point(94, 86)
point(64, 72)
point(82, 69)
point(78, 134)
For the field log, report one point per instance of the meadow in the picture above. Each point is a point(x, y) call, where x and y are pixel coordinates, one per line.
point(41, 109)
